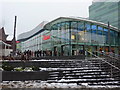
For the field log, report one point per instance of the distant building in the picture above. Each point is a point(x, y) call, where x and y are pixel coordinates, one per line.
point(3, 36)
point(5, 46)
point(105, 11)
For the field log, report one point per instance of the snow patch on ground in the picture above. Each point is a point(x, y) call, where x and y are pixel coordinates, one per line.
point(44, 84)
point(35, 84)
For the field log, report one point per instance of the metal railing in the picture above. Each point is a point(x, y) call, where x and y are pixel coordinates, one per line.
point(110, 58)
point(113, 70)
point(110, 55)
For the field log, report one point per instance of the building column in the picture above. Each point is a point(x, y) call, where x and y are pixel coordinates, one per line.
point(70, 46)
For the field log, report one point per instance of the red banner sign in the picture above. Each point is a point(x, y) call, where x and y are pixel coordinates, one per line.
point(17, 41)
point(46, 37)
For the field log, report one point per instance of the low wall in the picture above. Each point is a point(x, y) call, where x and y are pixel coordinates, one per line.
point(21, 76)
point(22, 63)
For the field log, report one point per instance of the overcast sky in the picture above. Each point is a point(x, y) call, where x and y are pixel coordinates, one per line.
point(30, 13)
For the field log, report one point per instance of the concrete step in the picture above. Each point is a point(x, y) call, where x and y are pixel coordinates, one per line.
point(88, 81)
point(78, 77)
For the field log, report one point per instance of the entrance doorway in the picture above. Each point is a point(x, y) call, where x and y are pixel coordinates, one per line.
point(55, 51)
point(78, 49)
point(62, 51)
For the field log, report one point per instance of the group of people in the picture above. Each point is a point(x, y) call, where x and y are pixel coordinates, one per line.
point(28, 54)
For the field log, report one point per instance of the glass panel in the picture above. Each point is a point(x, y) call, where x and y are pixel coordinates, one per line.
point(81, 34)
point(94, 34)
point(59, 26)
point(112, 37)
point(100, 37)
point(100, 30)
point(105, 34)
point(87, 27)
point(94, 28)
point(88, 33)
point(80, 26)
point(116, 38)
point(73, 25)
point(74, 32)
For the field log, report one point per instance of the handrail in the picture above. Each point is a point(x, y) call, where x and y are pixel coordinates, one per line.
point(104, 60)
point(107, 55)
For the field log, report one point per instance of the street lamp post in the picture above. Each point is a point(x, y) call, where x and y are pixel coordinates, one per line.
point(14, 37)
point(109, 41)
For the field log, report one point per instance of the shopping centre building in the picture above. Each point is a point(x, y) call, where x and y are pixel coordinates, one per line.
point(71, 36)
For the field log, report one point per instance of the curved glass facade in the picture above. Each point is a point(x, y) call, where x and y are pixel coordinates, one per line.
point(71, 36)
